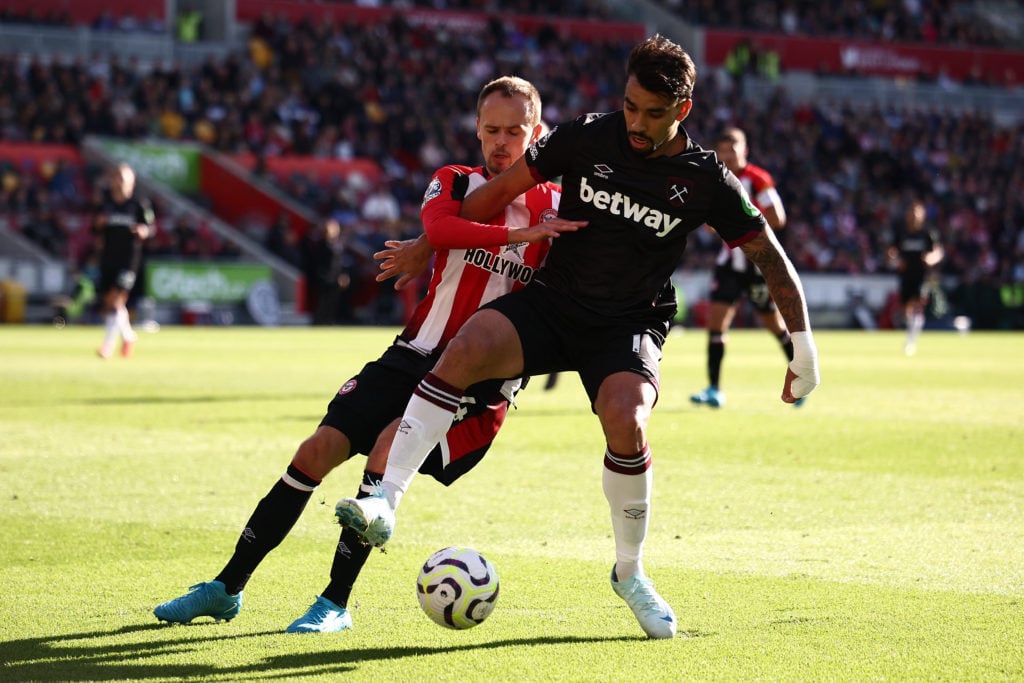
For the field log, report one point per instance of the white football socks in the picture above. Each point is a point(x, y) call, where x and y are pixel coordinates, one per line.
point(110, 330)
point(427, 417)
point(915, 323)
point(629, 499)
point(124, 325)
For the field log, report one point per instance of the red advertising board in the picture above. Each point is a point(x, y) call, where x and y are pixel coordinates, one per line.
point(86, 11)
point(456, 22)
point(32, 155)
point(872, 58)
point(324, 171)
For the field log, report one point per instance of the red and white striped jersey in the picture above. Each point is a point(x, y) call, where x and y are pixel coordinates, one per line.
point(472, 263)
point(760, 188)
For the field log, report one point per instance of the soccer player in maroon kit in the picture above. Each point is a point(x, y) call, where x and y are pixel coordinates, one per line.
point(735, 275)
point(474, 263)
point(603, 302)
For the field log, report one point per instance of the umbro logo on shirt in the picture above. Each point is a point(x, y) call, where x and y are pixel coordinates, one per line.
point(603, 170)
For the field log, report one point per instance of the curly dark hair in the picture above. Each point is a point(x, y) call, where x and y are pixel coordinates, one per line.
point(662, 67)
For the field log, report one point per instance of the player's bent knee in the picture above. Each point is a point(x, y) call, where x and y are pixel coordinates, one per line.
point(479, 352)
point(624, 422)
point(322, 452)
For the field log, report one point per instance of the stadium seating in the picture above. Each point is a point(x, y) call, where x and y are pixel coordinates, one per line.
point(343, 91)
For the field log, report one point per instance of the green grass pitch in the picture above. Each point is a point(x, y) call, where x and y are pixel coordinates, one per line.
point(876, 534)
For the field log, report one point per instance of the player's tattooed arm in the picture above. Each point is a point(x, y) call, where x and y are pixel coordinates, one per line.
point(783, 281)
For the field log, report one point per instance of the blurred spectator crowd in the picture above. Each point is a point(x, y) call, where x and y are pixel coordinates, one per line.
point(405, 97)
point(940, 22)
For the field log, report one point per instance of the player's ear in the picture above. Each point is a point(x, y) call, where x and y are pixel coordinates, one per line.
point(479, 135)
point(684, 110)
point(539, 130)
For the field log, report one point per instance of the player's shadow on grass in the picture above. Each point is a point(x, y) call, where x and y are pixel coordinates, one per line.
point(72, 657)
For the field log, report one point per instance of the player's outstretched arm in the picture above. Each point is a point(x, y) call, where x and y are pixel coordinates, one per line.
point(446, 228)
point(551, 228)
point(803, 374)
point(490, 198)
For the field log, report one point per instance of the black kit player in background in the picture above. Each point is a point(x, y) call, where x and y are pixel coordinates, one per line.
point(122, 223)
point(603, 302)
point(914, 251)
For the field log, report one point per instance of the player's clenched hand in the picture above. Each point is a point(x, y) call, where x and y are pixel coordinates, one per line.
point(552, 227)
point(404, 259)
point(802, 375)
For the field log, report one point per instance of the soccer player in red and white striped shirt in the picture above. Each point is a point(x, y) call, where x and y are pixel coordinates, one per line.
point(475, 262)
point(735, 276)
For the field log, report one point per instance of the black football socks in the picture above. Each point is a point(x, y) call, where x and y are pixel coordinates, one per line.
point(351, 553)
point(271, 521)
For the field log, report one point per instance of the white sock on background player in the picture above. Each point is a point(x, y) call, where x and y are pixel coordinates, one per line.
point(110, 330)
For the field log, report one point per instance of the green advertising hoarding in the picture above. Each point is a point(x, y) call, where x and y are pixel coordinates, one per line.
point(210, 282)
point(175, 165)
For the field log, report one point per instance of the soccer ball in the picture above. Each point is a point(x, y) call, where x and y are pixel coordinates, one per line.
point(457, 587)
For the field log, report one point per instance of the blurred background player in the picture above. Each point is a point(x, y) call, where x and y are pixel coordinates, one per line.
point(914, 251)
point(122, 224)
point(363, 416)
point(735, 276)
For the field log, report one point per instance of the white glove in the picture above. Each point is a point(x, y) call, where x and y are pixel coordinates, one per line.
point(804, 364)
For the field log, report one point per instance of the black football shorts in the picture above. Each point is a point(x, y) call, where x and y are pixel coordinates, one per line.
point(117, 278)
point(729, 285)
point(559, 335)
point(911, 286)
point(370, 401)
